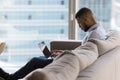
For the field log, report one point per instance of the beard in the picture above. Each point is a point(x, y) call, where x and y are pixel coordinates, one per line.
point(86, 28)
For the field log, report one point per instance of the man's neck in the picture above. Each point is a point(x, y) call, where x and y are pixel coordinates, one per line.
point(93, 27)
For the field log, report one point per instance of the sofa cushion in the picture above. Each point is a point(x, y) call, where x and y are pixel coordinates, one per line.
point(106, 67)
point(112, 41)
point(86, 53)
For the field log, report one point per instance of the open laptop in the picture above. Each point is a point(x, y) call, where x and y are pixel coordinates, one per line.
point(58, 45)
point(44, 49)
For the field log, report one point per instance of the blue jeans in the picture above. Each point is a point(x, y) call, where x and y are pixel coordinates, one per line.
point(34, 63)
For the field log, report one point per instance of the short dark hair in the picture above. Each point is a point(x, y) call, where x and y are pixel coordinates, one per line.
point(83, 11)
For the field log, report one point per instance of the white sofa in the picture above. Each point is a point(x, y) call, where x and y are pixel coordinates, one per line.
point(104, 66)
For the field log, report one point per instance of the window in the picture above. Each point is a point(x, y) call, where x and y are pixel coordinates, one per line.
point(117, 1)
point(25, 23)
point(115, 19)
point(101, 10)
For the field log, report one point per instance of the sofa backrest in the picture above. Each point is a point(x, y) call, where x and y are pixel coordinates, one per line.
point(106, 67)
point(64, 45)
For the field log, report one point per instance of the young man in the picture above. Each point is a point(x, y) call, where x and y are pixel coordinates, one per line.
point(86, 22)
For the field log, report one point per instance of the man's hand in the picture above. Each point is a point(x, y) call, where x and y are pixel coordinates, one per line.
point(56, 52)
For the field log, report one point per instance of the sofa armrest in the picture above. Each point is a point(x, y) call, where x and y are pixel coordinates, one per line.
point(64, 45)
point(2, 46)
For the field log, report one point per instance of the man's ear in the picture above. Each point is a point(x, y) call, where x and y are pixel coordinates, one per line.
point(88, 19)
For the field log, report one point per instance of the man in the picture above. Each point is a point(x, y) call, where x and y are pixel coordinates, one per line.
point(86, 22)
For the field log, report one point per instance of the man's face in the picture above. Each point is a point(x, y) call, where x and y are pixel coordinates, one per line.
point(82, 24)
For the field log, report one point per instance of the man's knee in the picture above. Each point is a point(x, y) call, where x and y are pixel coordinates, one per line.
point(35, 59)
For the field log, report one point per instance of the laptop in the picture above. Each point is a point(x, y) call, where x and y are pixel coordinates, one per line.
point(58, 45)
point(43, 47)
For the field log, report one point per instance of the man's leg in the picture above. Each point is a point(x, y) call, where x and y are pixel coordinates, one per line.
point(3, 74)
point(1, 78)
point(33, 64)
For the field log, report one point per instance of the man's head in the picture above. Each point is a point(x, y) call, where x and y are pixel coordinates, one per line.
point(85, 18)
